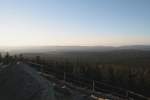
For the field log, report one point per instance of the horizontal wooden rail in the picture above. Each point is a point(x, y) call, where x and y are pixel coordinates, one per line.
point(87, 83)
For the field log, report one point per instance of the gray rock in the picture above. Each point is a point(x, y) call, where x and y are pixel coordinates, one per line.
point(20, 82)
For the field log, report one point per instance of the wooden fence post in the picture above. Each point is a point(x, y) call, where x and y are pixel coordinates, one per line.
point(93, 86)
point(64, 76)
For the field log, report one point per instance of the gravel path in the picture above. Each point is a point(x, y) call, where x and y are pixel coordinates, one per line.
point(20, 82)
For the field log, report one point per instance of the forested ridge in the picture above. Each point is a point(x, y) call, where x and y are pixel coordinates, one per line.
point(128, 69)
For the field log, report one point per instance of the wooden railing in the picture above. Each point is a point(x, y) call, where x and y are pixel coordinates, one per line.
point(94, 86)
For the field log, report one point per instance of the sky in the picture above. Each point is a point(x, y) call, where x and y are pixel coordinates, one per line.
point(74, 22)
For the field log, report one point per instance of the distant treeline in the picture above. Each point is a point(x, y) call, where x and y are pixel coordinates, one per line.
point(129, 69)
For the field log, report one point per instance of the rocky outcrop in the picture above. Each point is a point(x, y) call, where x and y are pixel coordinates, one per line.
point(20, 82)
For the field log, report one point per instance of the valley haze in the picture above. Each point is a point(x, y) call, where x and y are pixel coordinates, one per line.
point(47, 49)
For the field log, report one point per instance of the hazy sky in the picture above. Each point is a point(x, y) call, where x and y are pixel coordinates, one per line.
point(74, 22)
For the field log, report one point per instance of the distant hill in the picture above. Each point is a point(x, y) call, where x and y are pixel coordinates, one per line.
point(41, 49)
point(136, 47)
